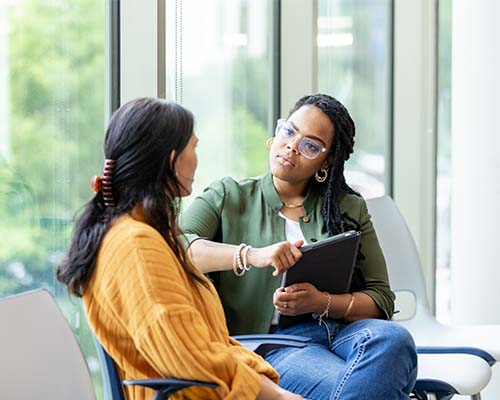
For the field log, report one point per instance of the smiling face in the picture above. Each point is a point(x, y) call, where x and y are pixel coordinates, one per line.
point(285, 160)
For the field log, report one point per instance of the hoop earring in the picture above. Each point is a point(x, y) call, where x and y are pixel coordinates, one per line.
point(269, 143)
point(321, 178)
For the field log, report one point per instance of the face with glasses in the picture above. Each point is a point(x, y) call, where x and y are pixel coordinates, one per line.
point(301, 144)
point(308, 147)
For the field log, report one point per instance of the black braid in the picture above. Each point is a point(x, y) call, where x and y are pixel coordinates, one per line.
point(335, 185)
point(342, 147)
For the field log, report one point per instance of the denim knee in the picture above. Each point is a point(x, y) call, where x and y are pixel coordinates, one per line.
point(389, 337)
point(399, 337)
point(391, 333)
point(397, 340)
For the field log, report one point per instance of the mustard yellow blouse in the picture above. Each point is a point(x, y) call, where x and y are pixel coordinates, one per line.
point(155, 322)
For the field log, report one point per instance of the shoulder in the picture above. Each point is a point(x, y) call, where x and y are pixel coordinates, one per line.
point(229, 182)
point(137, 250)
point(127, 234)
point(229, 186)
point(136, 269)
point(353, 205)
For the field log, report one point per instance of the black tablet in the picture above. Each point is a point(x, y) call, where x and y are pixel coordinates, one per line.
point(327, 264)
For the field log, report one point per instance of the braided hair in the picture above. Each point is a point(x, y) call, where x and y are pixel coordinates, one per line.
point(342, 147)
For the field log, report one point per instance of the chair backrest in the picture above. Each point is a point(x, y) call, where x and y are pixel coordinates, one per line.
point(113, 388)
point(39, 356)
point(400, 252)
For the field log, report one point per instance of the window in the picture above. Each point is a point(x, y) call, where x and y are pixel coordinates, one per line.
point(219, 65)
point(51, 132)
point(354, 42)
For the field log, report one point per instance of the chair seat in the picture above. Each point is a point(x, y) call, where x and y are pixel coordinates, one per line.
point(467, 374)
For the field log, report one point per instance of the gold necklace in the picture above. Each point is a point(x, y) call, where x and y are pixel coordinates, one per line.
point(292, 205)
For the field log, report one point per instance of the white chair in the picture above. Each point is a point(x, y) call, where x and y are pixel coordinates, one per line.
point(39, 355)
point(41, 359)
point(472, 349)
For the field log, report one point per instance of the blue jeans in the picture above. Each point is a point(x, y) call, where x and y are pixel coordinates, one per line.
point(367, 359)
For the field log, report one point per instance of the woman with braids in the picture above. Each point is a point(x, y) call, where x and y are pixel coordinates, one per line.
point(154, 313)
point(261, 222)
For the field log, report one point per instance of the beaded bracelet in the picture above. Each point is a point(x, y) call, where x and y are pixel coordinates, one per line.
point(244, 253)
point(238, 258)
point(237, 264)
point(324, 314)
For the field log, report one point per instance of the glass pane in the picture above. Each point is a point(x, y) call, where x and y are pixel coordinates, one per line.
point(443, 182)
point(354, 65)
point(51, 123)
point(219, 66)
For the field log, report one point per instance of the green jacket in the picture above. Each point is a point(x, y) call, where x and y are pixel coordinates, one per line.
point(247, 212)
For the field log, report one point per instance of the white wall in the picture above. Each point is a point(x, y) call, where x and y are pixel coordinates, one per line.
point(475, 162)
point(475, 264)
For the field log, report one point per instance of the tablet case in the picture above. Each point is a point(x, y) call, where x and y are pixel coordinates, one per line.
point(327, 264)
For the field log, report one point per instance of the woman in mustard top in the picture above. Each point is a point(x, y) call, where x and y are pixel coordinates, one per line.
point(153, 312)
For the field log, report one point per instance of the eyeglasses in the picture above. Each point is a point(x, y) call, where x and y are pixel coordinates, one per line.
point(308, 147)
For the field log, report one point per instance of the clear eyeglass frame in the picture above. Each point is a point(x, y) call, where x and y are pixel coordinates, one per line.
point(308, 147)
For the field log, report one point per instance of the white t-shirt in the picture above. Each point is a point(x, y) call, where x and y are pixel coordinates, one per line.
point(292, 234)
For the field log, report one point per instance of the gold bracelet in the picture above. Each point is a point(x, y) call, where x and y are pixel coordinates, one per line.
point(349, 307)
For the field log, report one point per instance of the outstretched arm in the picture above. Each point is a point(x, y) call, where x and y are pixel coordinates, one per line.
point(201, 224)
point(210, 256)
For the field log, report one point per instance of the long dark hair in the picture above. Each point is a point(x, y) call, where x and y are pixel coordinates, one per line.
point(335, 185)
point(140, 138)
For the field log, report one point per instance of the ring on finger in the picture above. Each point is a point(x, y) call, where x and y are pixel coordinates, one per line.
point(285, 305)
